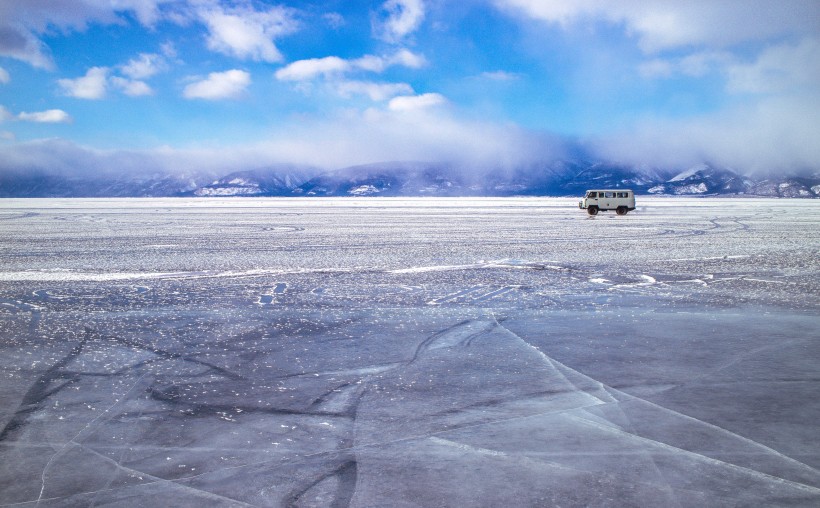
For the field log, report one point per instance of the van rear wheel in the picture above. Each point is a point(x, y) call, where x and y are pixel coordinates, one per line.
point(621, 210)
point(592, 210)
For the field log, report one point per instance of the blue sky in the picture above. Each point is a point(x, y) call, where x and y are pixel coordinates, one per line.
point(181, 84)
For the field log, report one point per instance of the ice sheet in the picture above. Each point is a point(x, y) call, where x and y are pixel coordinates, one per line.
point(409, 352)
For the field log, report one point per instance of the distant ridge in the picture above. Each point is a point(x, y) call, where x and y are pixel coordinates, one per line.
point(272, 181)
point(403, 178)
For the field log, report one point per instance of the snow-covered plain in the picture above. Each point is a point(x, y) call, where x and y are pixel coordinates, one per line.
point(409, 352)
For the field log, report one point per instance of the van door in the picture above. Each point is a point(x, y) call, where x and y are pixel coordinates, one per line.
point(609, 198)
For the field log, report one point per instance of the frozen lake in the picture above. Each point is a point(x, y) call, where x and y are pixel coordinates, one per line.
point(409, 352)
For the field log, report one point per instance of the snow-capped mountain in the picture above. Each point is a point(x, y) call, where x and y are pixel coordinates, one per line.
point(549, 178)
point(271, 181)
point(787, 188)
point(392, 179)
point(608, 176)
point(427, 179)
point(44, 184)
point(704, 179)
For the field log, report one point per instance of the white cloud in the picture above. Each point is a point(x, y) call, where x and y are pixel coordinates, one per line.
point(776, 134)
point(168, 50)
point(334, 71)
point(4, 76)
point(656, 68)
point(132, 88)
point(738, 41)
point(781, 68)
point(91, 86)
point(97, 80)
point(246, 33)
point(427, 134)
point(375, 91)
point(303, 70)
point(19, 43)
point(500, 76)
point(369, 63)
point(219, 85)
point(328, 140)
point(147, 12)
point(773, 134)
point(333, 66)
point(144, 66)
point(334, 19)
point(694, 65)
point(398, 19)
point(701, 63)
point(378, 64)
point(666, 24)
point(416, 102)
point(22, 22)
point(408, 59)
point(48, 116)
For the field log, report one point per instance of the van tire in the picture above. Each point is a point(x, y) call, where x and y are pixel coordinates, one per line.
point(592, 210)
point(622, 210)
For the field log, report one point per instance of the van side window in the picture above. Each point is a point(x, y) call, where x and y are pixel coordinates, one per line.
point(608, 194)
point(592, 195)
point(622, 194)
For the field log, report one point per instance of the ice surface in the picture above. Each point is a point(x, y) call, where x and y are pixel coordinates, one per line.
point(409, 352)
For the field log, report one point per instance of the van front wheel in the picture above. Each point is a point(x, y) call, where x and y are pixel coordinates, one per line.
point(592, 210)
point(622, 210)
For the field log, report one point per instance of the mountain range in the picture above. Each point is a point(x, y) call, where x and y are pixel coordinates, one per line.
point(557, 178)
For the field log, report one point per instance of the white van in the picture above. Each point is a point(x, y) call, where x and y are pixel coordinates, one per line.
point(620, 200)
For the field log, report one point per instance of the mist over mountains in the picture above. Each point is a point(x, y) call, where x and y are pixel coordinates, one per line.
point(556, 178)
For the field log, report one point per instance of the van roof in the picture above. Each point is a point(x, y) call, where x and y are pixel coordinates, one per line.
point(609, 190)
